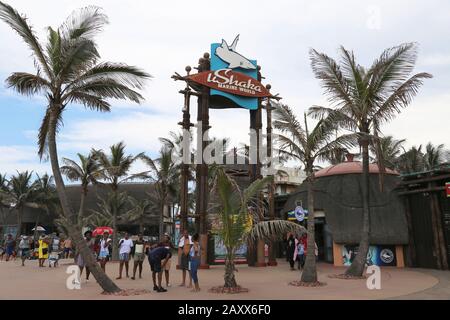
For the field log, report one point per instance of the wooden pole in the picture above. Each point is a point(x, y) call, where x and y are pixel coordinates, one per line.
point(186, 125)
point(203, 192)
point(270, 198)
point(261, 255)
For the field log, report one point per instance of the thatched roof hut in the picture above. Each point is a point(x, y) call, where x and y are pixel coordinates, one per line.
point(337, 192)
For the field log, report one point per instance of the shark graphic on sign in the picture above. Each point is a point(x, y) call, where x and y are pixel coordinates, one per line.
point(229, 55)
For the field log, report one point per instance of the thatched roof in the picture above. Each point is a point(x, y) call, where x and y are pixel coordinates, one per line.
point(340, 197)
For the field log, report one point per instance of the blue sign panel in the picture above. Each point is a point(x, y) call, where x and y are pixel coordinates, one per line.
point(237, 63)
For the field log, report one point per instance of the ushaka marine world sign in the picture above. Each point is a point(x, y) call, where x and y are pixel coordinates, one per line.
point(227, 80)
point(233, 79)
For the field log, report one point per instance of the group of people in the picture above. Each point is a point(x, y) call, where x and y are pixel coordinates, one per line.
point(159, 256)
point(296, 248)
point(45, 247)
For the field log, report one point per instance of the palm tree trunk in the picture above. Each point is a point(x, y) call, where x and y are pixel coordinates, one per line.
point(230, 280)
point(115, 248)
point(36, 224)
point(82, 204)
point(161, 222)
point(357, 267)
point(309, 273)
point(74, 231)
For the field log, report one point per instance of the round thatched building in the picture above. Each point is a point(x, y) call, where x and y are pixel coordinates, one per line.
point(338, 210)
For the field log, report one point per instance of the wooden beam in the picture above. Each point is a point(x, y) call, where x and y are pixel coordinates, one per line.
point(429, 189)
point(418, 181)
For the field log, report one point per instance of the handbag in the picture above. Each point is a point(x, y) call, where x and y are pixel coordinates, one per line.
point(44, 251)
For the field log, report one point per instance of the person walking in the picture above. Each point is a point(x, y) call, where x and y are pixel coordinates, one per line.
point(79, 258)
point(55, 242)
point(299, 254)
point(158, 257)
point(138, 256)
point(44, 241)
point(10, 246)
point(67, 248)
point(185, 244)
point(195, 255)
point(24, 247)
point(290, 249)
point(125, 246)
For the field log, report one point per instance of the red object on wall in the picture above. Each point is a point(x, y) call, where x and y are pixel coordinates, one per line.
point(227, 80)
point(447, 188)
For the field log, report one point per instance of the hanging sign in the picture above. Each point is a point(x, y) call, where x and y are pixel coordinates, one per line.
point(300, 213)
point(447, 187)
point(224, 56)
point(236, 83)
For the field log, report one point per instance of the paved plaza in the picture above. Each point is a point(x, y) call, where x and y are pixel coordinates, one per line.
point(31, 282)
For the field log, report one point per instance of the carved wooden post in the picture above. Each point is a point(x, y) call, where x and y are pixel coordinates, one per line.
point(186, 125)
point(260, 248)
point(202, 168)
point(271, 187)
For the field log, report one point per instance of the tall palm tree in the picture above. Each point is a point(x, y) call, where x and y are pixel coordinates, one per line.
point(164, 173)
point(298, 142)
point(46, 198)
point(363, 100)
point(87, 171)
point(68, 70)
point(411, 161)
point(141, 209)
point(113, 208)
point(390, 150)
point(235, 219)
point(4, 203)
point(114, 170)
point(21, 194)
point(434, 156)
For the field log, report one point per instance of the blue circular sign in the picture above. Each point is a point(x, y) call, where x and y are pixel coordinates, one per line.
point(300, 213)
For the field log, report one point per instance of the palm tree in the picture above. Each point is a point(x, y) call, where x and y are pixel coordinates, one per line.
point(164, 173)
point(411, 161)
point(141, 209)
point(434, 156)
point(363, 100)
point(21, 193)
point(306, 146)
point(390, 150)
point(114, 169)
point(87, 171)
point(68, 71)
point(4, 203)
point(45, 198)
point(112, 209)
point(237, 225)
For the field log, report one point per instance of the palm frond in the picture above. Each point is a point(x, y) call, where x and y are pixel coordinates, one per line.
point(27, 84)
point(19, 24)
point(274, 229)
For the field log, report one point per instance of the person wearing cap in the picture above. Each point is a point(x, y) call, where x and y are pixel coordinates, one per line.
point(44, 241)
point(24, 246)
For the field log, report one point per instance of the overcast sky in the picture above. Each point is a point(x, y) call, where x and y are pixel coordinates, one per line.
point(164, 36)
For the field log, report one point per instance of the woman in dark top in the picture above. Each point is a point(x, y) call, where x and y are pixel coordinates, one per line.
point(290, 248)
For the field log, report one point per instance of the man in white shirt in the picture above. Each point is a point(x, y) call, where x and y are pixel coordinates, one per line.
point(125, 246)
point(184, 247)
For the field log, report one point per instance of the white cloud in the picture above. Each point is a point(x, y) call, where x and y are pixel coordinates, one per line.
point(21, 158)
